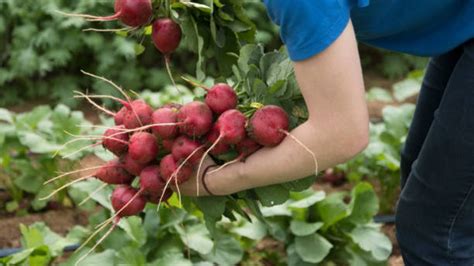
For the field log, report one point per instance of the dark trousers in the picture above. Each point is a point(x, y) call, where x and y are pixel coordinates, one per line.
point(435, 215)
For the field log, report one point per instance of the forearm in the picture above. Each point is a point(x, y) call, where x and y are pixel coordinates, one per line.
point(289, 161)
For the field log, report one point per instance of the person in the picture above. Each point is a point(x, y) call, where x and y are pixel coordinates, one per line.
point(435, 213)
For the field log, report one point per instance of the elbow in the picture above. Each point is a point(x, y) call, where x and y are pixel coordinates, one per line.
point(357, 141)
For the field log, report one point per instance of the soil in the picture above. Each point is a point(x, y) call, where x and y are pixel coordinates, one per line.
point(60, 221)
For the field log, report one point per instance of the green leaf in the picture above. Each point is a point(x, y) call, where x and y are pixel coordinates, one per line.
point(6, 116)
point(196, 237)
point(301, 228)
point(134, 229)
point(105, 258)
point(300, 184)
point(332, 209)
point(88, 186)
point(27, 183)
point(294, 259)
point(313, 248)
point(250, 54)
point(272, 195)
point(55, 242)
point(139, 49)
point(172, 259)
point(31, 237)
point(370, 239)
point(213, 209)
point(379, 94)
point(255, 230)
point(313, 198)
point(278, 210)
point(40, 256)
point(226, 251)
point(37, 143)
point(406, 88)
point(364, 204)
point(20, 256)
point(201, 7)
point(31, 119)
point(131, 256)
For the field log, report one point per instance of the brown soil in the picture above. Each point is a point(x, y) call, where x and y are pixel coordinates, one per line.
point(60, 221)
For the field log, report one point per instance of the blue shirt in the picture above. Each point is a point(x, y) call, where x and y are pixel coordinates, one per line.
point(420, 27)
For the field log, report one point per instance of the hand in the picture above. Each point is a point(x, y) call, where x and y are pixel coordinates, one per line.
point(189, 188)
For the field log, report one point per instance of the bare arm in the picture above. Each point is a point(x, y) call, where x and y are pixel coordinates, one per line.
point(337, 129)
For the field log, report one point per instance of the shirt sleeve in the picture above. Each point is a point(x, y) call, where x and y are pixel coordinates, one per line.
point(307, 27)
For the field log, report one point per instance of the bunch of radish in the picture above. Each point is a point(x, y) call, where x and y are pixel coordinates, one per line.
point(164, 147)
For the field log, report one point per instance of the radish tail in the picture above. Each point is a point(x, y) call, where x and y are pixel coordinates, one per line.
point(202, 161)
point(316, 165)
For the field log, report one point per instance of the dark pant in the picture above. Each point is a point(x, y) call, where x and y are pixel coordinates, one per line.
point(435, 215)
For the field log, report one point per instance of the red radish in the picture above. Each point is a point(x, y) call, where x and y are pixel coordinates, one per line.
point(126, 195)
point(184, 147)
point(231, 125)
point(132, 166)
point(126, 201)
point(143, 147)
point(133, 13)
point(139, 114)
point(155, 199)
point(150, 181)
point(268, 124)
point(118, 118)
point(165, 115)
point(167, 144)
point(115, 141)
point(247, 147)
point(169, 170)
point(221, 97)
point(113, 173)
point(221, 147)
point(196, 118)
point(166, 35)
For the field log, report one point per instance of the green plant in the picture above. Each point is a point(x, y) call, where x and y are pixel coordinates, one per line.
point(28, 142)
point(312, 227)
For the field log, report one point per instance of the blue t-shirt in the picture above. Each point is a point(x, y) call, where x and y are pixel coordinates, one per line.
point(420, 27)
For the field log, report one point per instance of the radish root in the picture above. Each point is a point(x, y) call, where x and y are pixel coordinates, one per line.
point(168, 69)
point(91, 194)
point(65, 186)
point(202, 161)
point(73, 172)
point(98, 242)
point(316, 165)
point(101, 108)
point(117, 213)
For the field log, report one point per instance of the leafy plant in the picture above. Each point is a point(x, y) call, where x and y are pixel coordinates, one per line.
point(320, 229)
point(313, 228)
point(27, 144)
